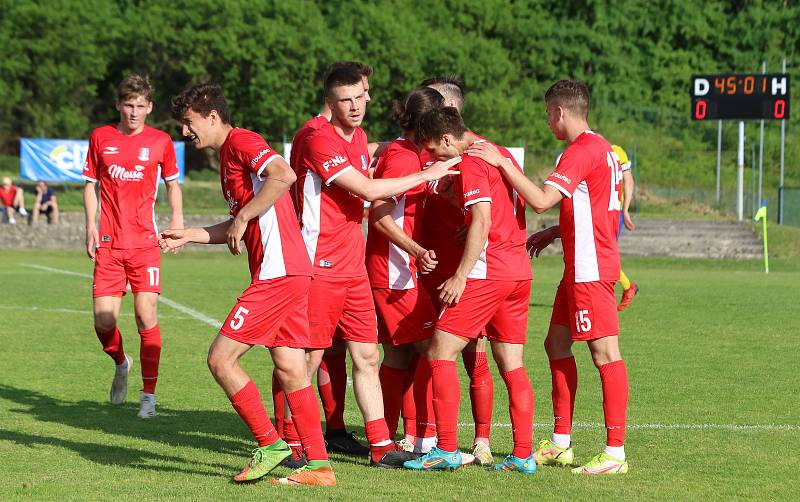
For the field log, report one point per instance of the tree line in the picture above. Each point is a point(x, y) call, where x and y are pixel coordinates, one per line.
point(60, 60)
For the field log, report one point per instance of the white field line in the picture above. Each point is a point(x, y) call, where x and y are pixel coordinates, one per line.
point(20, 308)
point(659, 426)
point(166, 301)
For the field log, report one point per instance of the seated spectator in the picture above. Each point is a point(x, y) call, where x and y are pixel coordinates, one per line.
point(12, 199)
point(46, 204)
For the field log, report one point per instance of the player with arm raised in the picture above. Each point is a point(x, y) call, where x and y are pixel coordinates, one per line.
point(394, 259)
point(587, 182)
point(488, 292)
point(127, 160)
point(273, 310)
point(333, 172)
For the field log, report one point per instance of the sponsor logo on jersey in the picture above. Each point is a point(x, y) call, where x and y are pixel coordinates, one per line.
point(118, 172)
point(261, 154)
point(105, 238)
point(472, 192)
point(111, 150)
point(336, 161)
point(562, 178)
point(326, 264)
point(144, 154)
point(364, 162)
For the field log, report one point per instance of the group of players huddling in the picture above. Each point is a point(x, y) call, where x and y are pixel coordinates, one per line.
point(445, 268)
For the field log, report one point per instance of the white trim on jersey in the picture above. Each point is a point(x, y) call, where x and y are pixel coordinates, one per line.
point(586, 266)
point(330, 180)
point(399, 264)
point(475, 201)
point(264, 166)
point(87, 178)
point(173, 177)
point(312, 201)
point(479, 269)
point(559, 187)
point(272, 264)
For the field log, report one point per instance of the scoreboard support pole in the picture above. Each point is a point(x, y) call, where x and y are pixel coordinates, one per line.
point(740, 175)
point(783, 141)
point(719, 158)
point(761, 149)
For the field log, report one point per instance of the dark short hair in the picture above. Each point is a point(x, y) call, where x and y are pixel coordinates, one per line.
point(202, 98)
point(437, 122)
point(450, 85)
point(419, 101)
point(572, 95)
point(364, 69)
point(133, 86)
point(343, 73)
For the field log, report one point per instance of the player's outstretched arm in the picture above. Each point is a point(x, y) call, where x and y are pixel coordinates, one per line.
point(278, 178)
point(627, 187)
point(383, 188)
point(90, 211)
point(540, 240)
point(176, 238)
point(477, 234)
point(380, 219)
point(540, 199)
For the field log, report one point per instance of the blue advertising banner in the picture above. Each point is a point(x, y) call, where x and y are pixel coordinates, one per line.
point(62, 159)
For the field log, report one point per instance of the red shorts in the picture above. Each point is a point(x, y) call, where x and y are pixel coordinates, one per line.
point(588, 308)
point(345, 303)
point(404, 315)
point(499, 306)
point(273, 313)
point(114, 268)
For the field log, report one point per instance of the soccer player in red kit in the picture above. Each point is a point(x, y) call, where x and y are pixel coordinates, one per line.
point(332, 373)
point(333, 171)
point(273, 310)
point(406, 314)
point(127, 160)
point(587, 182)
point(440, 229)
point(489, 291)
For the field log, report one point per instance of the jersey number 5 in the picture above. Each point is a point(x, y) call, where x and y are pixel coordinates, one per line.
point(238, 318)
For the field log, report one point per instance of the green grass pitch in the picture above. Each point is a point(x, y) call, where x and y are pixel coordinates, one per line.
point(711, 349)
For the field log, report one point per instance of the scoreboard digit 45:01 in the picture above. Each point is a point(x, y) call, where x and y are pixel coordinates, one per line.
point(740, 96)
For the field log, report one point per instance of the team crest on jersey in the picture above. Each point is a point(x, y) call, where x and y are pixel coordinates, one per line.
point(364, 163)
point(144, 154)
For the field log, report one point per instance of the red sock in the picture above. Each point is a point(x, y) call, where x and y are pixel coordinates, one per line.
point(112, 344)
point(423, 393)
point(409, 406)
point(332, 389)
point(305, 415)
point(614, 378)
point(520, 407)
point(446, 400)
point(378, 438)
point(278, 405)
point(481, 391)
point(247, 403)
point(150, 355)
point(565, 384)
point(393, 381)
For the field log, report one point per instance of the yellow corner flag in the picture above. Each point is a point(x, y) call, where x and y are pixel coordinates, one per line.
point(761, 214)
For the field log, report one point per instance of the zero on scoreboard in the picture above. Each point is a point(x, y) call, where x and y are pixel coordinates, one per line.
point(740, 96)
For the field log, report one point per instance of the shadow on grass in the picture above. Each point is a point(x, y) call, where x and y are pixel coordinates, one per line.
point(112, 455)
point(201, 429)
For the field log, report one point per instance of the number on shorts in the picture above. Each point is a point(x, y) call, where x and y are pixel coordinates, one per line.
point(582, 321)
point(153, 275)
point(238, 318)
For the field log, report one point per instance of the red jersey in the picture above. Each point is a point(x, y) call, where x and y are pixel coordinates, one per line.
point(7, 197)
point(443, 218)
point(503, 257)
point(388, 265)
point(274, 245)
point(299, 140)
point(330, 215)
point(128, 168)
point(589, 175)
